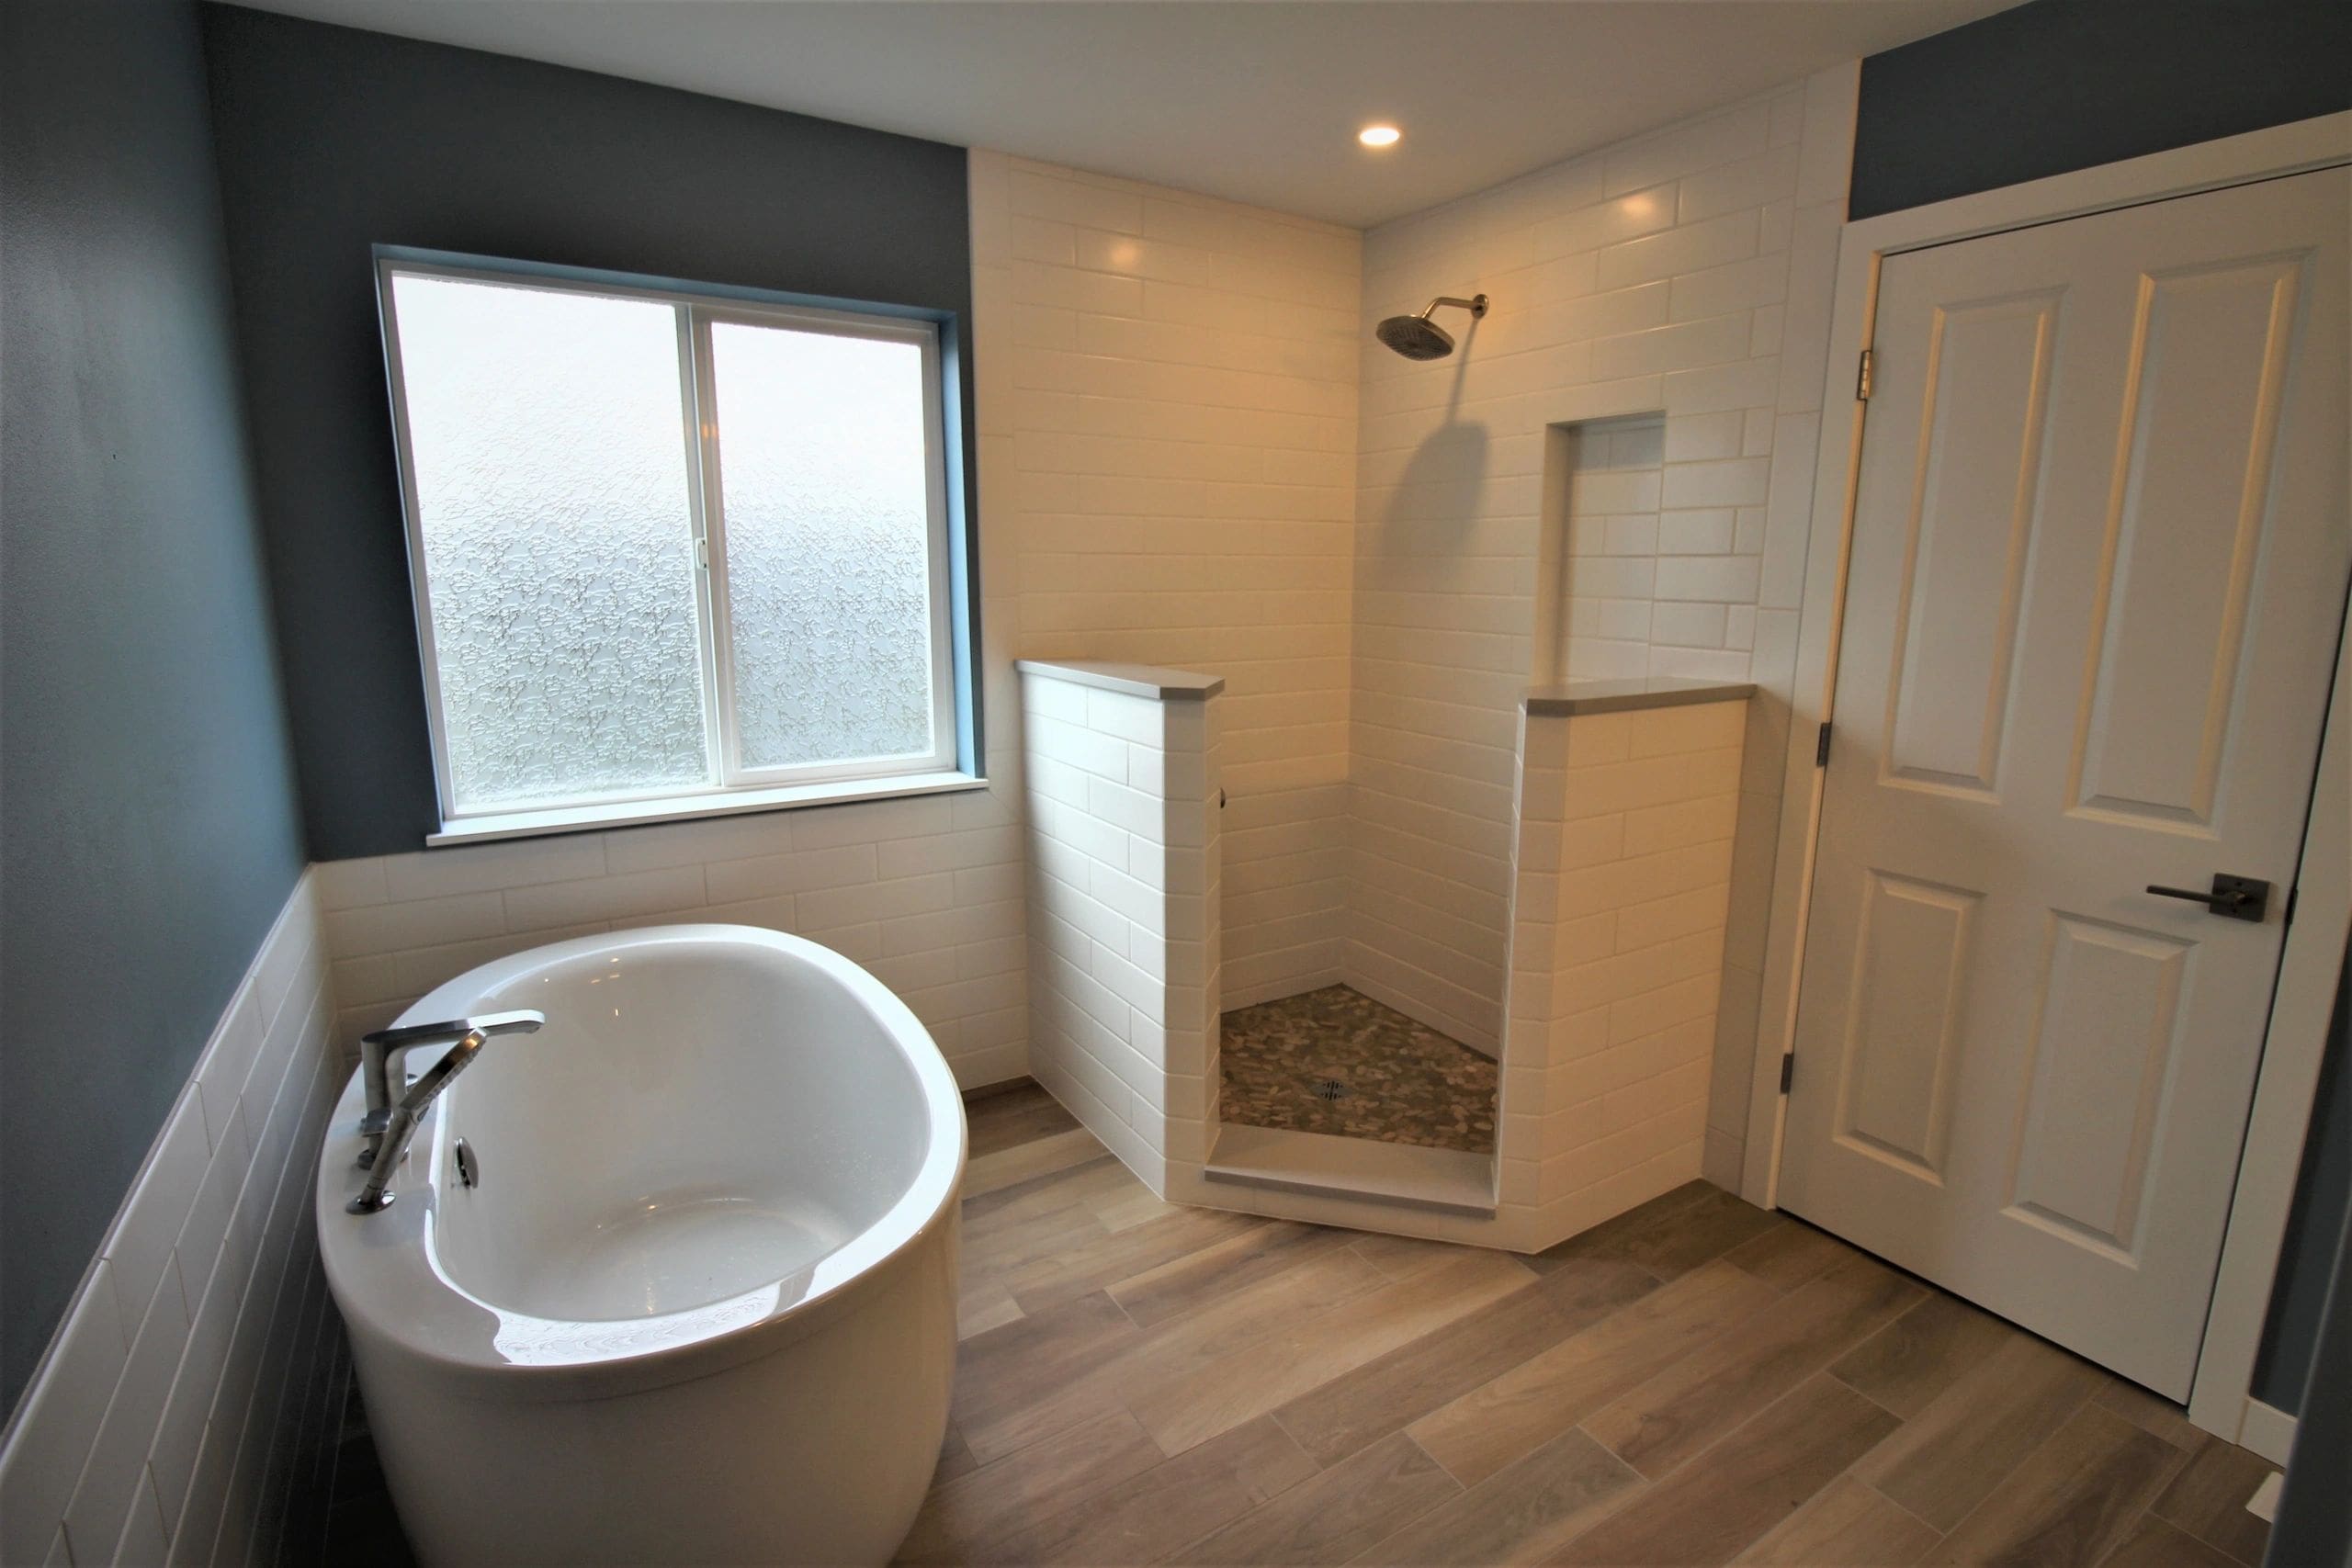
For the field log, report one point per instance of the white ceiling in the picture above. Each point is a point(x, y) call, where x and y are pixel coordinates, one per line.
point(1255, 100)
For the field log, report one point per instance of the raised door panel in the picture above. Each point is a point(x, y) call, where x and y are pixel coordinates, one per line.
point(2105, 1046)
point(1903, 1022)
point(1972, 507)
point(2190, 497)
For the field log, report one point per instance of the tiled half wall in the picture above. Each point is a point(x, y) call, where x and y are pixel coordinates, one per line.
point(181, 1412)
point(1121, 766)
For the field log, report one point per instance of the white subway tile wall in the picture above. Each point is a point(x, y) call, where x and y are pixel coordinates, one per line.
point(925, 892)
point(1685, 275)
point(1123, 862)
point(182, 1412)
point(1167, 388)
point(1623, 865)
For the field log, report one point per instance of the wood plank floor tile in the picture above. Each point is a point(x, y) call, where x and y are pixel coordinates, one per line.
point(2152, 1412)
point(1522, 1514)
point(2155, 1544)
point(1181, 1412)
point(1062, 1189)
point(1789, 1254)
point(1723, 1383)
point(1590, 1289)
point(984, 1304)
point(1668, 1235)
point(1845, 1525)
point(1710, 1511)
point(1218, 1270)
point(1007, 1369)
point(1951, 1455)
point(1383, 1394)
point(1618, 1235)
point(2207, 1499)
point(1037, 1218)
point(1120, 1255)
point(1177, 1349)
point(1467, 1406)
point(1020, 1162)
point(1402, 1257)
point(1489, 1426)
point(1155, 1514)
point(2071, 1501)
point(1138, 1205)
point(1006, 1496)
point(1906, 1364)
point(1333, 1517)
point(1004, 1118)
point(954, 1457)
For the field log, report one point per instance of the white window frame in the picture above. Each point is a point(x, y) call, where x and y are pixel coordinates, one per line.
point(736, 787)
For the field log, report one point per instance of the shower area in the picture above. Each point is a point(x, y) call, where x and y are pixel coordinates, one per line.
point(1390, 1061)
point(1452, 972)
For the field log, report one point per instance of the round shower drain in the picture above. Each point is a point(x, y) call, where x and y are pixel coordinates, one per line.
point(1330, 1088)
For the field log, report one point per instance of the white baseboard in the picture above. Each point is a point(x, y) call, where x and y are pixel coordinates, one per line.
point(180, 1413)
point(2268, 1430)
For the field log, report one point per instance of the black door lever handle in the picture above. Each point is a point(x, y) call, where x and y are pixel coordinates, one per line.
point(2237, 897)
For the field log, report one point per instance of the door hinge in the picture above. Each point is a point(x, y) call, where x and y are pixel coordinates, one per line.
point(1788, 1069)
point(2287, 919)
point(1821, 747)
point(1862, 379)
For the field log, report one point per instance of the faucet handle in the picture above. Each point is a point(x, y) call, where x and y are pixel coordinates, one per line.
point(521, 1021)
point(376, 1051)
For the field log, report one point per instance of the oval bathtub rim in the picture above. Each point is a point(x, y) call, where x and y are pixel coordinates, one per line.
point(438, 1320)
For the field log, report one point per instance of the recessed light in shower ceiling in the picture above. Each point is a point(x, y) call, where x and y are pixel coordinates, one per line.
point(1380, 136)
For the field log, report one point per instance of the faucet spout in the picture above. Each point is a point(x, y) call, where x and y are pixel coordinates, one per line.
point(389, 1126)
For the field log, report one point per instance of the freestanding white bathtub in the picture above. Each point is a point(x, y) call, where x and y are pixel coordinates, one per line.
point(700, 1305)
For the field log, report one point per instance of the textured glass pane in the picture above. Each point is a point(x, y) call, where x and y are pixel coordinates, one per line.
point(828, 544)
point(550, 448)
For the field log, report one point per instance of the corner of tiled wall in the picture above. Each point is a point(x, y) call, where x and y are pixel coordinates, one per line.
point(1687, 272)
point(1168, 416)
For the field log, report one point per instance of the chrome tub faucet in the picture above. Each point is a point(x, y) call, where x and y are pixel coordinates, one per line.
point(389, 1126)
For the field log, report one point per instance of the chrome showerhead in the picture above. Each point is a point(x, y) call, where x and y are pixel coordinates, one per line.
point(1417, 337)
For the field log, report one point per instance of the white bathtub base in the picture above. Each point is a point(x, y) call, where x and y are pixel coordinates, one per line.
point(819, 1452)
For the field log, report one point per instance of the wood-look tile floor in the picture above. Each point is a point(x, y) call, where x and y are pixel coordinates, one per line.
point(1698, 1381)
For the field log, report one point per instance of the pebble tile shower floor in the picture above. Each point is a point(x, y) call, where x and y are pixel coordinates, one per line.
point(1335, 1061)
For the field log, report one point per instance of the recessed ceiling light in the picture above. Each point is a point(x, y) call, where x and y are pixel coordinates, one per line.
point(1380, 136)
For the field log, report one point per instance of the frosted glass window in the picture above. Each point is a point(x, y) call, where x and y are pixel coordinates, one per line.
point(826, 508)
point(549, 464)
point(667, 545)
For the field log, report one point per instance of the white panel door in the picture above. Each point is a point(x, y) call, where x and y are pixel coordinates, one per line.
point(2099, 563)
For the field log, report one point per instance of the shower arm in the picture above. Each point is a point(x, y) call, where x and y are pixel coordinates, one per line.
point(1475, 305)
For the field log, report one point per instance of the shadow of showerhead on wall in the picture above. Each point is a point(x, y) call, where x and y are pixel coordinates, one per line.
point(1443, 486)
point(1445, 478)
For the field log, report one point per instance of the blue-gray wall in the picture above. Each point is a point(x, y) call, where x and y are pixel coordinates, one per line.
point(334, 141)
point(148, 833)
point(2062, 84)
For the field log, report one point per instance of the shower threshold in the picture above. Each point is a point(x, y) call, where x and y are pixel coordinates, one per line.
point(1453, 1181)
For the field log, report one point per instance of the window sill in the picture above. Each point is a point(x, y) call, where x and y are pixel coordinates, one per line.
point(687, 807)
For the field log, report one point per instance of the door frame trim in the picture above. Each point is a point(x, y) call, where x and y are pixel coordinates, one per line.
point(2221, 1398)
point(2289, 1072)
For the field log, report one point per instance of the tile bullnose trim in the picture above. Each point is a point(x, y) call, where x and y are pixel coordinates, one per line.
point(1574, 697)
point(1135, 679)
